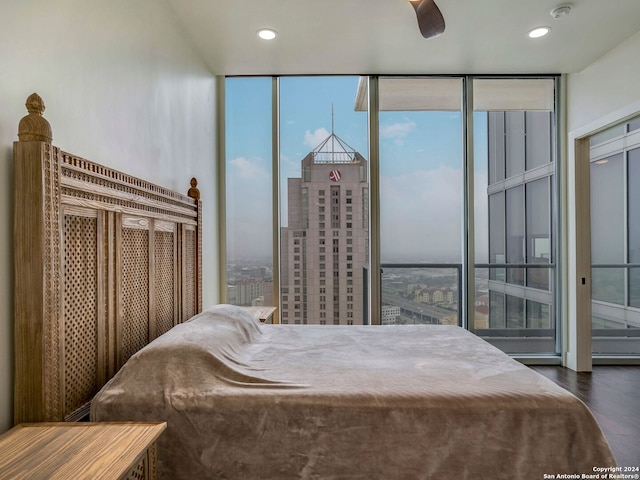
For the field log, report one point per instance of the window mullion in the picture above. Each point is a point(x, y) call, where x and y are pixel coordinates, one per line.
point(468, 244)
point(375, 272)
point(275, 189)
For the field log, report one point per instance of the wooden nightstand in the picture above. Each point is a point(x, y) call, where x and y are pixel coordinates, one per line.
point(80, 451)
point(264, 314)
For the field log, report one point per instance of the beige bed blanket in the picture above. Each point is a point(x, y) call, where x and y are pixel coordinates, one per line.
point(250, 401)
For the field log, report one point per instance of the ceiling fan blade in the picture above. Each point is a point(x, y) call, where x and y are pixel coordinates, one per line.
point(430, 19)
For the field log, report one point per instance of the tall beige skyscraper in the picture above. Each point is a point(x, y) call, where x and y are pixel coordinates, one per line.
point(325, 245)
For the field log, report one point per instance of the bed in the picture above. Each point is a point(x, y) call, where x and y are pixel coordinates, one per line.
point(126, 338)
point(247, 400)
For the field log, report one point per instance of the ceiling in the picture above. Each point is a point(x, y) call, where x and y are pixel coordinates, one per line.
point(382, 36)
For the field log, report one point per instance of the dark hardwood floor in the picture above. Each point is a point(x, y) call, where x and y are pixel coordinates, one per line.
point(612, 393)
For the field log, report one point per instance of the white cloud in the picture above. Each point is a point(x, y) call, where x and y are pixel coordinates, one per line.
point(421, 215)
point(314, 139)
point(421, 212)
point(397, 131)
point(290, 168)
point(248, 207)
point(246, 168)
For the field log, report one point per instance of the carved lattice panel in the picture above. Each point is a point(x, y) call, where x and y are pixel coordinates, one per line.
point(80, 311)
point(135, 290)
point(165, 278)
point(138, 472)
point(189, 281)
point(147, 467)
point(83, 256)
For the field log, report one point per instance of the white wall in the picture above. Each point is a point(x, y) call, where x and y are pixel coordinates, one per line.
point(606, 86)
point(602, 94)
point(123, 87)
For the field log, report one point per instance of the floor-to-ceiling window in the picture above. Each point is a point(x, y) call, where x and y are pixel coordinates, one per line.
point(615, 239)
point(248, 167)
point(421, 199)
point(441, 204)
point(324, 201)
point(516, 214)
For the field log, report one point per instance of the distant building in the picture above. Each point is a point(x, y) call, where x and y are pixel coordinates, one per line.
point(246, 291)
point(482, 300)
point(390, 314)
point(521, 169)
point(481, 319)
point(325, 245)
point(435, 296)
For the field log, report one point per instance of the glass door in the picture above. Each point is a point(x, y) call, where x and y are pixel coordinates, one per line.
point(615, 240)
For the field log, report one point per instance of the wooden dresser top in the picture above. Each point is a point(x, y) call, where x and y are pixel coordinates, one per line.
point(74, 450)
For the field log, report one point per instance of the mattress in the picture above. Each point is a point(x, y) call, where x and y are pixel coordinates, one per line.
point(246, 401)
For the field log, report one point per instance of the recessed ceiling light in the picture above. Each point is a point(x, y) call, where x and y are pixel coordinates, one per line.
point(539, 32)
point(267, 34)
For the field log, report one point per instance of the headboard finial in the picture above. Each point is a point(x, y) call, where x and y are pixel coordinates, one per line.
point(193, 191)
point(34, 127)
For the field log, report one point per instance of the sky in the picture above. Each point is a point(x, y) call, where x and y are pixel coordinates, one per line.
point(420, 165)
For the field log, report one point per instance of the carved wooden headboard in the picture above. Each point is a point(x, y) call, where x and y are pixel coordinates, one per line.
point(104, 263)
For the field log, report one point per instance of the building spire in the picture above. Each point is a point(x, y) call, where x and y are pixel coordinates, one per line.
point(333, 149)
point(332, 119)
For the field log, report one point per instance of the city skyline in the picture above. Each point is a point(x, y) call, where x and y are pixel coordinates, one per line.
point(421, 159)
